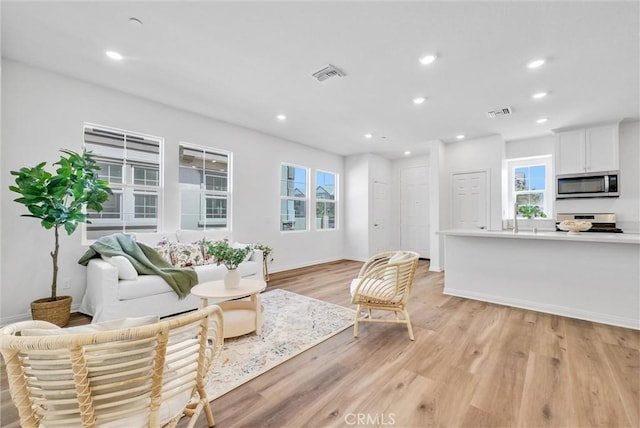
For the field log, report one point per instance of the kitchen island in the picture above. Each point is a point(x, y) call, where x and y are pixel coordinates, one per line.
point(590, 276)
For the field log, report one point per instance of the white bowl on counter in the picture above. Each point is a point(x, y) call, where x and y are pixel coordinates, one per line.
point(573, 227)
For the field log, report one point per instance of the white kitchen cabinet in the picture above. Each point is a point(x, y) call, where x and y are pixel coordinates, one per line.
point(587, 149)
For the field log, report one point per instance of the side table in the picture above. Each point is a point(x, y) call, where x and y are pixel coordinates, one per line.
point(240, 316)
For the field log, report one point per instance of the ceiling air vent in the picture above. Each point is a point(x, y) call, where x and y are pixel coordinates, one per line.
point(500, 112)
point(327, 72)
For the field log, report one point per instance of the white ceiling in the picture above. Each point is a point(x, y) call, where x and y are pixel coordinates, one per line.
point(246, 62)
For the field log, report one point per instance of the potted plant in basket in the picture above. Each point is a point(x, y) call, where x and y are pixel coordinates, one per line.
point(60, 200)
point(225, 254)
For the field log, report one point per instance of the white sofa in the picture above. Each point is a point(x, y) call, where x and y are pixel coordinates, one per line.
point(107, 297)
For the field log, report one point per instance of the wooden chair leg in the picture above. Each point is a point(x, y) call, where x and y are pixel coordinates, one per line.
point(409, 327)
point(355, 324)
point(209, 414)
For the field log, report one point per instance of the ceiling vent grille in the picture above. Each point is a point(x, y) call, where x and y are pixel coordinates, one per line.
point(327, 72)
point(500, 112)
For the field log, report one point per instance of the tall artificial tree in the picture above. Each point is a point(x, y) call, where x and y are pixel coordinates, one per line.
point(61, 199)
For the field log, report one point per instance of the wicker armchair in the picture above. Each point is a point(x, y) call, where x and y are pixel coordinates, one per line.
point(146, 376)
point(384, 283)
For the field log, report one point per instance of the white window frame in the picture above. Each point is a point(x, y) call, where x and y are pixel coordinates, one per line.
point(141, 193)
point(126, 188)
point(549, 192)
point(203, 222)
point(333, 201)
point(306, 199)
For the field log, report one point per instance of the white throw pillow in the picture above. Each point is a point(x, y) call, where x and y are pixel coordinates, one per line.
point(125, 268)
point(92, 328)
point(48, 367)
point(390, 273)
point(373, 288)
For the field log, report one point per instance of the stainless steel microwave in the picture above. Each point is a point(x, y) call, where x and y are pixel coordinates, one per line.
point(588, 185)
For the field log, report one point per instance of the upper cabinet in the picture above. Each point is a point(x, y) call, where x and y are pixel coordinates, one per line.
point(586, 149)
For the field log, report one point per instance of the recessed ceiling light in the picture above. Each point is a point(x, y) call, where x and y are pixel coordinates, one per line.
point(407, 153)
point(427, 59)
point(542, 120)
point(460, 136)
point(281, 117)
point(419, 100)
point(536, 63)
point(539, 95)
point(368, 136)
point(114, 55)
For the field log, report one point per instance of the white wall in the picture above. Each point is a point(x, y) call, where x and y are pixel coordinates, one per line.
point(537, 146)
point(437, 211)
point(361, 171)
point(357, 211)
point(44, 112)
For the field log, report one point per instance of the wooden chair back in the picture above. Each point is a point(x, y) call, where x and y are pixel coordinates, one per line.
point(141, 376)
point(386, 280)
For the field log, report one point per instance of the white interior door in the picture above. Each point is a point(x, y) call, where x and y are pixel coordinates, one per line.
point(414, 210)
point(470, 200)
point(379, 241)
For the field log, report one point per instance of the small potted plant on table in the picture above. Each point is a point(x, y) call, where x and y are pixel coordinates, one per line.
point(225, 254)
point(58, 201)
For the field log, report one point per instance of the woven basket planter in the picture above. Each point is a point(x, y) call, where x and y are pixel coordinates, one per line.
point(56, 312)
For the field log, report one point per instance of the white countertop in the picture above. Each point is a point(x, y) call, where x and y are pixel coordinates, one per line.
point(612, 238)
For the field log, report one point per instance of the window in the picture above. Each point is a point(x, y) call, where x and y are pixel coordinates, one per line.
point(293, 198)
point(325, 200)
point(204, 188)
point(530, 180)
point(146, 176)
point(145, 205)
point(130, 162)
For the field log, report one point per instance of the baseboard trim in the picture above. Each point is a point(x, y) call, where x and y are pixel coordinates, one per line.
point(304, 265)
point(27, 316)
point(547, 308)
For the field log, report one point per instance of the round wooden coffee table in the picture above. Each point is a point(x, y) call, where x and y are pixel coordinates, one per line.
point(240, 316)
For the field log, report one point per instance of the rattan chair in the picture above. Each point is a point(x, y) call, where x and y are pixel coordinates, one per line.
point(146, 376)
point(384, 283)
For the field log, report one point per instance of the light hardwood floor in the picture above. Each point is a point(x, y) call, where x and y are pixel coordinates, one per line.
point(472, 364)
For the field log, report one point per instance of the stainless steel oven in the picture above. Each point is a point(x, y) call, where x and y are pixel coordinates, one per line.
point(588, 185)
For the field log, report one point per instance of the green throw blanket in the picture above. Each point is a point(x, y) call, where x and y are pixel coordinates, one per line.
point(144, 259)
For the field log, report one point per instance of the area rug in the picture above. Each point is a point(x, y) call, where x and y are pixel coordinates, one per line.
point(292, 324)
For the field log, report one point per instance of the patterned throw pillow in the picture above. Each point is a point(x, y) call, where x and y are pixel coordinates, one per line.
point(208, 259)
point(185, 255)
point(164, 249)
